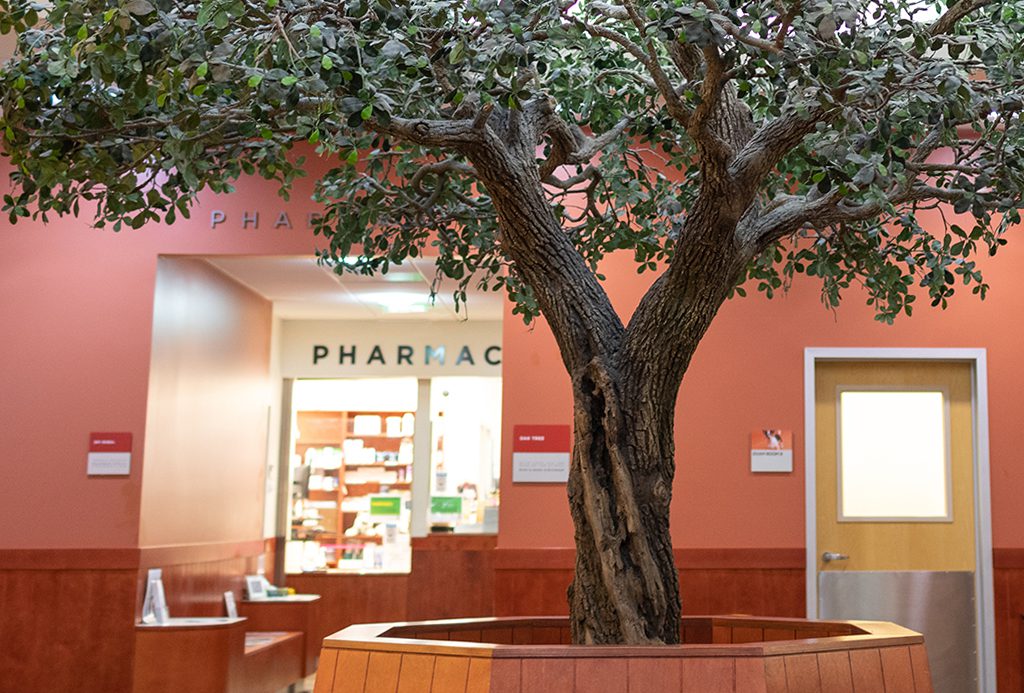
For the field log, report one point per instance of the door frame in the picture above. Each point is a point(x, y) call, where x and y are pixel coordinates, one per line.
point(983, 575)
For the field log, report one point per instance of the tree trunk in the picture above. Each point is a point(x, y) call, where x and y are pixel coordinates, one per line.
point(626, 587)
point(625, 383)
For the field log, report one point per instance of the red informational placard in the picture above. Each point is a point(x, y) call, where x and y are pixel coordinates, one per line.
point(541, 438)
point(110, 454)
point(110, 442)
point(540, 453)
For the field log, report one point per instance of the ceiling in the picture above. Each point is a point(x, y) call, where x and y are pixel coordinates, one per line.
point(301, 289)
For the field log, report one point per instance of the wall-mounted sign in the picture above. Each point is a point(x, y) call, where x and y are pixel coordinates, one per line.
point(110, 454)
point(349, 348)
point(771, 450)
point(540, 454)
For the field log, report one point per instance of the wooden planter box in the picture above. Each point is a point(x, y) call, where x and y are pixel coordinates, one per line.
point(720, 654)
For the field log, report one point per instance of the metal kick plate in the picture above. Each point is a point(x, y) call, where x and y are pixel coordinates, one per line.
point(939, 605)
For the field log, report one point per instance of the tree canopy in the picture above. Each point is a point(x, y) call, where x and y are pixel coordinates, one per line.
point(853, 116)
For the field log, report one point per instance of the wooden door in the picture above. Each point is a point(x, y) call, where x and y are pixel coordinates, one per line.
point(895, 503)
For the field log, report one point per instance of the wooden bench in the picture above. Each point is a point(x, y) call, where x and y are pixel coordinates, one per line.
point(273, 660)
point(215, 655)
point(298, 612)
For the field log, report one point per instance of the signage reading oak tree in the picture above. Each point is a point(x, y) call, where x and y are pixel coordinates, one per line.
point(718, 141)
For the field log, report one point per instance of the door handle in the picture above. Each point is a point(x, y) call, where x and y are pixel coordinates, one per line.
point(830, 556)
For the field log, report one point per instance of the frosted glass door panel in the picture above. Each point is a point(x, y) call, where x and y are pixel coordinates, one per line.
point(893, 461)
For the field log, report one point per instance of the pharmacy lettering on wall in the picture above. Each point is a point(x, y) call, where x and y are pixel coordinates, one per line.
point(406, 355)
point(540, 454)
point(419, 349)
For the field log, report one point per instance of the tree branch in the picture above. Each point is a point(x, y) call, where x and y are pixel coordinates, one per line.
point(954, 14)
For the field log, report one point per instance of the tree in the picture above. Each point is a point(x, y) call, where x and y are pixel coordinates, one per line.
point(723, 142)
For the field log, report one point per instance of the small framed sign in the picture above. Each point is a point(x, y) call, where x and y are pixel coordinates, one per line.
point(154, 604)
point(255, 587)
point(540, 454)
point(771, 450)
point(230, 608)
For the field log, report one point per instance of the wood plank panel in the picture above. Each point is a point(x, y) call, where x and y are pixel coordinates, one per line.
point(382, 672)
point(654, 675)
point(450, 675)
point(775, 675)
point(350, 672)
point(922, 672)
point(506, 675)
point(708, 675)
point(602, 676)
point(740, 635)
point(866, 667)
point(479, 678)
point(324, 682)
point(750, 675)
point(802, 673)
point(834, 670)
point(548, 675)
point(416, 674)
point(896, 670)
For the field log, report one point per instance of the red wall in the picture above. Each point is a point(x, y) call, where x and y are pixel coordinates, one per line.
point(748, 374)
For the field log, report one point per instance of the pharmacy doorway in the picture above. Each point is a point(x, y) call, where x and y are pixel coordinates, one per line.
point(374, 462)
point(385, 420)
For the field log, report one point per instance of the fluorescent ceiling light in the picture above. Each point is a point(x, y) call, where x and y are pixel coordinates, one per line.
point(397, 301)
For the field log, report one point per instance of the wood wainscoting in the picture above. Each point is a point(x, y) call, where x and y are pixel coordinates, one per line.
point(1008, 565)
point(764, 582)
point(196, 576)
point(66, 620)
point(67, 615)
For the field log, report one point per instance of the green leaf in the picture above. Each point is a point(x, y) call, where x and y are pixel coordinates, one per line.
point(326, 62)
point(289, 80)
point(353, 157)
point(367, 112)
point(254, 80)
point(202, 70)
point(139, 7)
point(457, 52)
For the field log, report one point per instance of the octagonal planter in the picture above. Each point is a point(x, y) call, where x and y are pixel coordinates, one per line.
point(719, 654)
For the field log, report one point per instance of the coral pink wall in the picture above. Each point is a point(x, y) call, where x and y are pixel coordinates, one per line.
point(76, 305)
point(77, 310)
point(748, 374)
point(208, 408)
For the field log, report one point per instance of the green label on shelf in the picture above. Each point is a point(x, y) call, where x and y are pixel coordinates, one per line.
point(445, 505)
point(385, 505)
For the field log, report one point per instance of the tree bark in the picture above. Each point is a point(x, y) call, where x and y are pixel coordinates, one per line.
point(626, 587)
